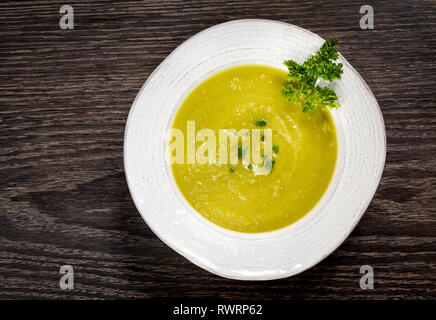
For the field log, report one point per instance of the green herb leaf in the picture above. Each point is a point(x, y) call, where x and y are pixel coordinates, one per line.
point(275, 148)
point(259, 123)
point(250, 166)
point(302, 78)
point(232, 170)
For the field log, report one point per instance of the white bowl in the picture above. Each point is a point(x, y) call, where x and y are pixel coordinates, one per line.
point(260, 256)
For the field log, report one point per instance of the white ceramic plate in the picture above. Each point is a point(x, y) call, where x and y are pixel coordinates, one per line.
point(261, 256)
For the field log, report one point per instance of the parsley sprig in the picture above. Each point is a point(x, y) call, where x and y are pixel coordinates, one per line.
point(302, 78)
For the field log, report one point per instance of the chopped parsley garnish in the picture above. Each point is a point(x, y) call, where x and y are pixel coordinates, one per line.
point(302, 78)
point(259, 122)
point(275, 148)
point(232, 170)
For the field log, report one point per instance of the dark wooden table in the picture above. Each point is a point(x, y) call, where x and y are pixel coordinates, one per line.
point(64, 100)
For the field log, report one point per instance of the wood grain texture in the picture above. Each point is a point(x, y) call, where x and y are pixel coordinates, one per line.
point(64, 100)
